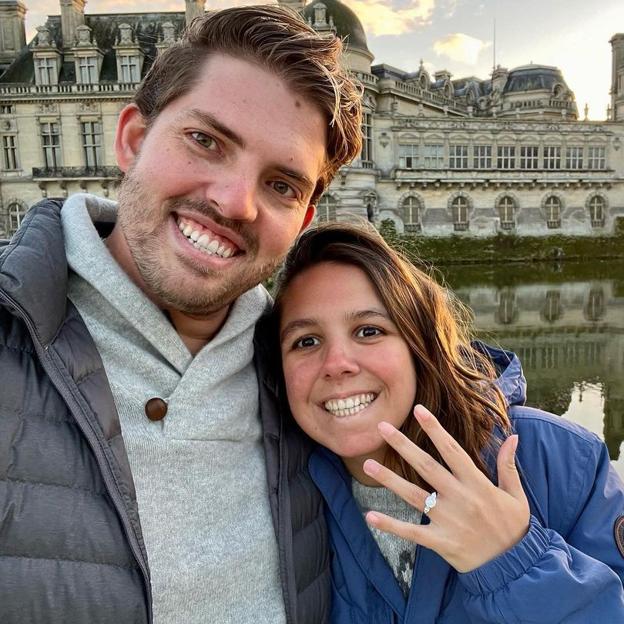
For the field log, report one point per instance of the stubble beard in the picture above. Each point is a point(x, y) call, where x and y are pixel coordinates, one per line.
point(194, 290)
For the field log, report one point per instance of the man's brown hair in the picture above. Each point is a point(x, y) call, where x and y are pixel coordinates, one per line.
point(277, 39)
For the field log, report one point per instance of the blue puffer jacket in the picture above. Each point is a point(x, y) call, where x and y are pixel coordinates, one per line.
point(567, 569)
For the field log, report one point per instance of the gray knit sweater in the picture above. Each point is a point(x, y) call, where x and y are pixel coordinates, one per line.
point(200, 474)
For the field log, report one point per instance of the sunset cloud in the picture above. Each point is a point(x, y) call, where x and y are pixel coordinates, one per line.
point(461, 48)
point(380, 17)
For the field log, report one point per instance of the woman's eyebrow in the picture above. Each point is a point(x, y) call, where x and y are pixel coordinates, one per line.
point(364, 314)
point(289, 328)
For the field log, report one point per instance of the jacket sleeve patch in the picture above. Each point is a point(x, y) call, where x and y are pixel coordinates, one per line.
point(618, 531)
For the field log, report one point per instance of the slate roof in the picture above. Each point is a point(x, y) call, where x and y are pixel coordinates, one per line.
point(147, 29)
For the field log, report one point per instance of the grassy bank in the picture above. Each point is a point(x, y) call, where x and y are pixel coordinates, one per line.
point(505, 248)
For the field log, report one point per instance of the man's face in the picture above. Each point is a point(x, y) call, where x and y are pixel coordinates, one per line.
point(219, 186)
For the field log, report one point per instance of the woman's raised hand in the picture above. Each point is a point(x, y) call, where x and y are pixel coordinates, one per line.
point(473, 520)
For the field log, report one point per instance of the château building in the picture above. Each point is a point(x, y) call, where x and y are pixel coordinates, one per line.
point(441, 155)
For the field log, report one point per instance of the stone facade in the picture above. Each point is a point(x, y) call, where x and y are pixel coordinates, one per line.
point(441, 155)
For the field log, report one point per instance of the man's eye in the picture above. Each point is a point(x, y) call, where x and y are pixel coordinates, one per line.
point(306, 342)
point(283, 188)
point(205, 140)
point(368, 332)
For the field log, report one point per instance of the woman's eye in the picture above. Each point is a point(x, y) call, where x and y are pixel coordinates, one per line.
point(306, 342)
point(368, 332)
point(283, 188)
point(205, 140)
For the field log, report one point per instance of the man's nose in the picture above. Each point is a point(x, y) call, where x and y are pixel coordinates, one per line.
point(235, 197)
point(339, 360)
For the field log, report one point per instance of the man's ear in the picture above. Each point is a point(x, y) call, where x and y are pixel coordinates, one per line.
point(309, 215)
point(131, 129)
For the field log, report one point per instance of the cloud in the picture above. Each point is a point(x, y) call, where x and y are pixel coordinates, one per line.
point(380, 17)
point(461, 48)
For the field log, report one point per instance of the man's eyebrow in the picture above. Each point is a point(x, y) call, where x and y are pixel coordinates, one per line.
point(209, 120)
point(296, 175)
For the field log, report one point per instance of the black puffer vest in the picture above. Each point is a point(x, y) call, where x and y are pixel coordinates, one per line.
point(71, 549)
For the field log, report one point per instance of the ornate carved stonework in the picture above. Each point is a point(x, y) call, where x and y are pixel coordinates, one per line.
point(48, 108)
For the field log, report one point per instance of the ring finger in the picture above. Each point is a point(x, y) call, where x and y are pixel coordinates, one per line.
point(409, 492)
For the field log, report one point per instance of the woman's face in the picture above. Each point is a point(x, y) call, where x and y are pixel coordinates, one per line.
point(345, 364)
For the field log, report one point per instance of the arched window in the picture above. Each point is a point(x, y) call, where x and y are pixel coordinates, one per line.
point(506, 212)
point(326, 208)
point(411, 209)
point(552, 310)
point(16, 214)
point(507, 311)
point(595, 307)
point(597, 207)
point(370, 205)
point(460, 206)
point(553, 212)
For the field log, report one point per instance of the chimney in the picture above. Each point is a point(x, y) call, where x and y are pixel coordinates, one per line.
point(194, 8)
point(13, 36)
point(72, 16)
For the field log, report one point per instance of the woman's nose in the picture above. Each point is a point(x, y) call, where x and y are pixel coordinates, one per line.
point(339, 360)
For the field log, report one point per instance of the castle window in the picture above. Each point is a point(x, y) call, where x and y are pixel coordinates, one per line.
point(482, 156)
point(7, 109)
point(433, 156)
point(597, 207)
point(92, 143)
point(458, 156)
point(45, 71)
point(574, 157)
point(529, 157)
point(87, 66)
point(51, 143)
point(460, 207)
point(506, 157)
point(596, 158)
point(326, 208)
point(411, 208)
point(552, 157)
point(553, 212)
point(9, 152)
point(408, 156)
point(506, 212)
point(129, 67)
point(16, 214)
point(366, 156)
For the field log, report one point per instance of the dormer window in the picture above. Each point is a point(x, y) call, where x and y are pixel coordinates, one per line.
point(129, 56)
point(129, 68)
point(87, 66)
point(87, 56)
point(46, 71)
point(46, 59)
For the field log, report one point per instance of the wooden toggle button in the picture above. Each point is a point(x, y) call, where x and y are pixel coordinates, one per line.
point(156, 409)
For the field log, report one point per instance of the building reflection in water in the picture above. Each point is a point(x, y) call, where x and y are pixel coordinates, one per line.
point(567, 327)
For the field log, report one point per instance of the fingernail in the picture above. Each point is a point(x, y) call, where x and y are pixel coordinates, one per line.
point(372, 518)
point(371, 467)
point(514, 444)
point(421, 412)
point(384, 427)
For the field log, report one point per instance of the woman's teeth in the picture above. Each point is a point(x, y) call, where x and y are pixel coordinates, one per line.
point(349, 406)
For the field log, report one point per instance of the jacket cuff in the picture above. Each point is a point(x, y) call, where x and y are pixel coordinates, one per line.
point(510, 565)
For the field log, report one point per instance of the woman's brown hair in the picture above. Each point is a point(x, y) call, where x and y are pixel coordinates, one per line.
point(454, 380)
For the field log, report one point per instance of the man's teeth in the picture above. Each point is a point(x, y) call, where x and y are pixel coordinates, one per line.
point(349, 406)
point(203, 242)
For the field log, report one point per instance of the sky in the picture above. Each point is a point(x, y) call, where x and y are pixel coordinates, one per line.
point(458, 35)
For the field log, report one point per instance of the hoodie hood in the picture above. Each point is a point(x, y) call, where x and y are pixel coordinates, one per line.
point(510, 379)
